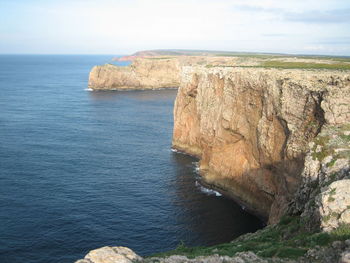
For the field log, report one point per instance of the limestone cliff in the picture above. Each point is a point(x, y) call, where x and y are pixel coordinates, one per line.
point(251, 127)
point(277, 141)
point(145, 73)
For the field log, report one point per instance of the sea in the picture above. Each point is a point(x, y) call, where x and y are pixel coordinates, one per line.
point(82, 169)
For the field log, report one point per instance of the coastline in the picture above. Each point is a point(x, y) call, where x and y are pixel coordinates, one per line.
point(285, 171)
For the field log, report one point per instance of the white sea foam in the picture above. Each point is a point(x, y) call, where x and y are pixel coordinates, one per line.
point(196, 167)
point(207, 191)
point(177, 151)
point(88, 89)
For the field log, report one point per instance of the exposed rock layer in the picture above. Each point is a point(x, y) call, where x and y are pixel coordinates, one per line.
point(251, 127)
point(141, 74)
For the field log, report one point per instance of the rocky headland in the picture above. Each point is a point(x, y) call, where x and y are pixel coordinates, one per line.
point(276, 140)
point(140, 75)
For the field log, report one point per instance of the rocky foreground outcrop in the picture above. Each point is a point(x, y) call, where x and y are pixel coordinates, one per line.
point(141, 74)
point(338, 251)
point(323, 196)
point(251, 128)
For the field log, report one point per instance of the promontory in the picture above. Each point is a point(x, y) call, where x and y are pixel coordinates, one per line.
point(272, 132)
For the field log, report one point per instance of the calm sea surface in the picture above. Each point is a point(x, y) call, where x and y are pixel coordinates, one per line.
point(81, 170)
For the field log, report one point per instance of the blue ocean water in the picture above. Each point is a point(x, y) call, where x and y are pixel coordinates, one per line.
point(81, 170)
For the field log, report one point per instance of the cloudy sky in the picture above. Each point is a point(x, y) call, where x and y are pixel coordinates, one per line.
point(126, 26)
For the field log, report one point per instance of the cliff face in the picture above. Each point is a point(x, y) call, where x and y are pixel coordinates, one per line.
point(141, 74)
point(251, 128)
point(277, 141)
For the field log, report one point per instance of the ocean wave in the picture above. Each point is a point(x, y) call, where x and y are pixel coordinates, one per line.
point(207, 191)
point(88, 89)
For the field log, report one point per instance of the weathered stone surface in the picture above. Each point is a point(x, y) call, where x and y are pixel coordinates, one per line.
point(110, 255)
point(323, 196)
point(141, 74)
point(333, 253)
point(335, 205)
point(251, 127)
point(345, 257)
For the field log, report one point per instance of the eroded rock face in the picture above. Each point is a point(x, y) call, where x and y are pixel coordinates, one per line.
point(324, 194)
point(335, 209)
point(141, 74)
point(251, 127)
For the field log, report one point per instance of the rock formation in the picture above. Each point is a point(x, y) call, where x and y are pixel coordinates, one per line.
point(275, 140)
point(324, 194)
point(141, 74)
point(110, 255)
point(251, 128)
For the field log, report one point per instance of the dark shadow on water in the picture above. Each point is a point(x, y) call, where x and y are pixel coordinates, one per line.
point(202, 212)
point(141, 95)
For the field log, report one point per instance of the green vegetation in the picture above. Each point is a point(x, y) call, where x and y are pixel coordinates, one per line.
point(159, 58)
point(331, 199)
point(271, 56)
point(331, 163)
point(289, 239)
point(321, 141)
point(292, 65)
point(331, 193)
point(334, 142)
point(345, 137)
point(251, 55)
point(157, 54)
point(340, 59)
point(305, 65)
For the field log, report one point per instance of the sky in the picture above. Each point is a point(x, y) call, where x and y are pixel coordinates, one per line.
point(127, 26)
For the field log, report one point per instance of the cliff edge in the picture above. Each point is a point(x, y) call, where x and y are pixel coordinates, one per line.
point(251, 128)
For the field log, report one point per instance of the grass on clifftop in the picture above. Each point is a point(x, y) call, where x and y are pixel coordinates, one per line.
point(305, 65)
point(292, 65)
point(333, 142)
point(271, 56)
point(288, 239)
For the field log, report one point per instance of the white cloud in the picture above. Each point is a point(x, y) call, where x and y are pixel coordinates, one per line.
point(112, 26)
